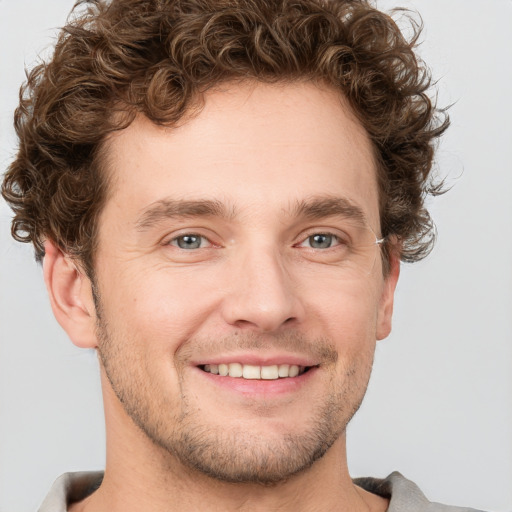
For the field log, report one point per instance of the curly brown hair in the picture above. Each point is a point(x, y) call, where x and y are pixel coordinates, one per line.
point(114, 60)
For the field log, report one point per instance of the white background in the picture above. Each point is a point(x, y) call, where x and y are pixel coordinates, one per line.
point(439, 407)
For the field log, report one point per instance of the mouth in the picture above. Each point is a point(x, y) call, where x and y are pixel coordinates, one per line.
point(255, 372)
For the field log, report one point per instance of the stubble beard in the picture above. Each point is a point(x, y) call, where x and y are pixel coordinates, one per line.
point(224, 452)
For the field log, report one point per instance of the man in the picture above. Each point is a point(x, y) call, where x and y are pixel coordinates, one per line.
point(221, 193)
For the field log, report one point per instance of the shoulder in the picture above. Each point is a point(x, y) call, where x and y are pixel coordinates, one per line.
point(71, 487)
point(404, 495)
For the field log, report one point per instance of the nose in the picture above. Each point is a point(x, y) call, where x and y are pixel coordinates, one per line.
point(261, 294)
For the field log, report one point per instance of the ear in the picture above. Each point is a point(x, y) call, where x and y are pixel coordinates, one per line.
point(385, 312)
point(70, 293)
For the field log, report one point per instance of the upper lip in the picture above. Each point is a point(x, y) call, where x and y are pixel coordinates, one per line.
point(258, 359)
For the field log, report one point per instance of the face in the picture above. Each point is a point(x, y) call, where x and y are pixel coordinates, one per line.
point(243, 243)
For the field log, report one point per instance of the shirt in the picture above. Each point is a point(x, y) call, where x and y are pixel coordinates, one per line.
point(404, 495)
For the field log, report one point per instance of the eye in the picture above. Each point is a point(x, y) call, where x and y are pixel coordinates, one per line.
point(321, 241)
point(190, 241)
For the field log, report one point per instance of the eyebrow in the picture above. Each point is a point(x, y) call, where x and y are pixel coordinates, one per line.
point(317, 208)
point(314, 208)
point(176, 208)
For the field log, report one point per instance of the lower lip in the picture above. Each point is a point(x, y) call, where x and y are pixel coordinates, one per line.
point(260, 386)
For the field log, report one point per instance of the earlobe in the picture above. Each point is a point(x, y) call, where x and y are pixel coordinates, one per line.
point(70, 295)
point(385, 312)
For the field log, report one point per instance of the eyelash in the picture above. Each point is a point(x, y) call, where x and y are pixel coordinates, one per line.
point(174, 241)
point(335, 238)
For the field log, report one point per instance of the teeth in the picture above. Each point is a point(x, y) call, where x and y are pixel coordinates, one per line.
point(293, 371)
point(283, 370)
point(270, 372)
point(236, 370)
point(249, 371)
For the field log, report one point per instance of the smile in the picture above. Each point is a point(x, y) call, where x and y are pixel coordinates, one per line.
point(254, 372)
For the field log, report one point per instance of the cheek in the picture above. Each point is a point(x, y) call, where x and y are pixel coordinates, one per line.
point(157, 305)
point(171, 305)
point(347, 311)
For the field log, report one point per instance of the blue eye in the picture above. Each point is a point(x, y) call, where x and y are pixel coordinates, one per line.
point(321, 241)
point(189, 241)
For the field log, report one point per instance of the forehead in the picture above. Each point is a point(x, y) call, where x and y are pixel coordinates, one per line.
point(251, 145)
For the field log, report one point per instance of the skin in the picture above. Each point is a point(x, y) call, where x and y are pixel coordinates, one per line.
point(255, 291)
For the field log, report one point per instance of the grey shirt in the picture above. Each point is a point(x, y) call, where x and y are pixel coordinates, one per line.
point(404, 495)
